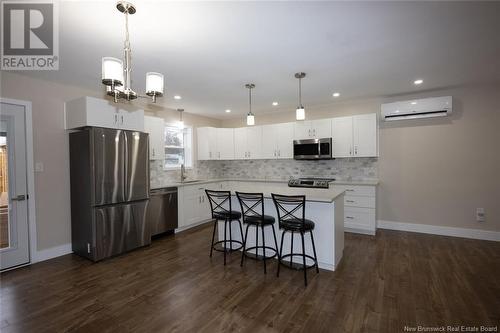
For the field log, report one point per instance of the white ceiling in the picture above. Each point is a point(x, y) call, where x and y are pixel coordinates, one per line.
point(209, 50)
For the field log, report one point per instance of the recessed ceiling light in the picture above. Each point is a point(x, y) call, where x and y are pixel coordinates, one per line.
point(413, 103)
point(336, 94)
point(228, 111)
point(275, 103)
point(177, 97)
point(419, 81)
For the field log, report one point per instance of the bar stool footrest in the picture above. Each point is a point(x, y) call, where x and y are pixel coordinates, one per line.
point(229, 249)
point(295, 265)
point(259, 256)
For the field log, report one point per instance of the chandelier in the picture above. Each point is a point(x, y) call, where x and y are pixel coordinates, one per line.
point(116, 77)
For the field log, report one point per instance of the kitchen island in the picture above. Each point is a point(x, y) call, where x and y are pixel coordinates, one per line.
point(323, 206)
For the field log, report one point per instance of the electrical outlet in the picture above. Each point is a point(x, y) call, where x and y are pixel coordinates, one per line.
point(38, 166)
point(480, 215)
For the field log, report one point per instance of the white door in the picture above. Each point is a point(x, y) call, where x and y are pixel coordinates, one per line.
point(321, 128)
point(254, 142)
point(225, 143)
point(14, 247)
point(302, 130)
point(240, 143)
point(365, 135)
point(285, 140)
point(342, 137)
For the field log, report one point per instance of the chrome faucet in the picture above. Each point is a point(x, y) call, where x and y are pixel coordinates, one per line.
point(183, 173)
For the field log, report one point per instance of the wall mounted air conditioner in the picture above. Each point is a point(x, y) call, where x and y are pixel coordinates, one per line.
point(417, 108)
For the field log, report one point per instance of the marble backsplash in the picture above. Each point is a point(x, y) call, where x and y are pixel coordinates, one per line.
point(343, 169)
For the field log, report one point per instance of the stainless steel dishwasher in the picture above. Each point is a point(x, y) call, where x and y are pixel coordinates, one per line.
point(162, 210)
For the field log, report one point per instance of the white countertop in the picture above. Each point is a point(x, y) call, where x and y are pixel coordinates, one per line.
point(267, 187)
point(363, 182)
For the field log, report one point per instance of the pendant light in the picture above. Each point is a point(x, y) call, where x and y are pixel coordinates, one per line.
point(180, 124)
point(300, 113)
point(116, 74)
point(250, 116)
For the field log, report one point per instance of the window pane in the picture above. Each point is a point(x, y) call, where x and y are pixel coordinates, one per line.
point(178, 145)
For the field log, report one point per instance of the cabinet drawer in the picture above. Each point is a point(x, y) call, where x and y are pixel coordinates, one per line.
point(359, 218)
point(354, 201)
point(357, 190)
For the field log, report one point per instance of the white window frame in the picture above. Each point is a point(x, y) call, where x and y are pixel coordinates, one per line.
point(191, 153)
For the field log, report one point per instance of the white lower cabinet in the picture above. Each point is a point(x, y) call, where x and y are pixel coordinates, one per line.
point(193, 205)
point(359, 208)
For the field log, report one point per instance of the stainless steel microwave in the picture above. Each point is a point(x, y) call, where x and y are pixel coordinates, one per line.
point(312, 149)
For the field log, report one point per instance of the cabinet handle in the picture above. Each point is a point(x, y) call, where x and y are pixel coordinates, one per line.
point(314, 132)
point(350, 151)
point(349, 217)
point(153, 152)
point(116, 118)
point(350, 190)
point(349, 201)
point(355, 150)
point(275, 153)
point(122, 119)
point(248, 154)
point(309, 132)
point(279, 152)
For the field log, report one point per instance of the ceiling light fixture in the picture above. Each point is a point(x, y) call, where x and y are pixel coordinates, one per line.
point(300, 112)
point(177, 97)
point(180, 124)
point(275, 103)
point(336, 94)
point(228, 111)
point(117, 78)
point(417, 82)
point(250, 116)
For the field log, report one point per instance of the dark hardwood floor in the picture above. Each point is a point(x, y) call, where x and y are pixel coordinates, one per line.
point(383, 283)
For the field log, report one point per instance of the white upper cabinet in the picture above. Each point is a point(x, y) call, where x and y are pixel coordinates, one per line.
point(365, 135)
point(240, 143)
point(225, 143)
point(355, 136)
point(248, 142)
point(284, 140)
point(277, 141)
point(155, 127)
point(342, 137)
point(207, 145)
point(90, 111)
point(313, 129)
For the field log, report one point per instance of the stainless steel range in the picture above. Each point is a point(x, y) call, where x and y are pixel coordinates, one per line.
point(311, 182)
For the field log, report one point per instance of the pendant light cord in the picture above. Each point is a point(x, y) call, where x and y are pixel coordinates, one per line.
point(250, 100)
point(300, 92)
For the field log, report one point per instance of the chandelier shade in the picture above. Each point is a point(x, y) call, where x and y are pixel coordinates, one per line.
point(112, 71)
point(154, 84)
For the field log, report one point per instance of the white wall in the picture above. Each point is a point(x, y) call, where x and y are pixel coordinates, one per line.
point(432, 171)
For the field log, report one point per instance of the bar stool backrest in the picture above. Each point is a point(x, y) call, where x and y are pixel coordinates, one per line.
point(252, 204)
point(220, 202)
point(290, 208)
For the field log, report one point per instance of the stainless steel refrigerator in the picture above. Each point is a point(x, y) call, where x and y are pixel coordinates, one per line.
point(109, 191)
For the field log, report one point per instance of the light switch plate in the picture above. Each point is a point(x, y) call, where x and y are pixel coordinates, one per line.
point(38, 166)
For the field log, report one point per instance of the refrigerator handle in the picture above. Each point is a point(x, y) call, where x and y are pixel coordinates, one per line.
point(125, 159)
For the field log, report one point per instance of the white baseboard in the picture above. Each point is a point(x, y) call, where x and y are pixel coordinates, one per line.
point(439, 230)
point(180, 229)
point(52, 252)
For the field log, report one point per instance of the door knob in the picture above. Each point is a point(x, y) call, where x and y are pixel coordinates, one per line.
point(21, 197)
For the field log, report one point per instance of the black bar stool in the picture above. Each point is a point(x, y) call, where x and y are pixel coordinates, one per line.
point(291, 217)
point(252, 208)
point(220, 205)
